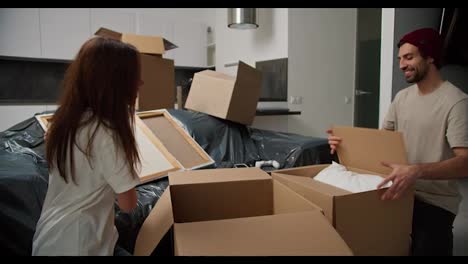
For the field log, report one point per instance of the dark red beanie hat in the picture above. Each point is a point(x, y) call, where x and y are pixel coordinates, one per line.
point(428, 41)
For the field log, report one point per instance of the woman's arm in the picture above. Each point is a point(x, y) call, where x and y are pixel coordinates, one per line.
point(127, 200)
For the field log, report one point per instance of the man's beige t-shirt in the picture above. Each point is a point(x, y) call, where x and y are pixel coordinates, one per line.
point(432, 125)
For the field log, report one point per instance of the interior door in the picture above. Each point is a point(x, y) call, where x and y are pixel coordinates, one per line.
point(366, 107)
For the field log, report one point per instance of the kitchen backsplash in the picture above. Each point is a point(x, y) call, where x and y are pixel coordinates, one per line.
point(25, 81)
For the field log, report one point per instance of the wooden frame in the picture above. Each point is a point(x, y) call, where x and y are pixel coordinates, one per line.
point(44, 120)
point(143, 135)
point(203, 158)
point(140, 126)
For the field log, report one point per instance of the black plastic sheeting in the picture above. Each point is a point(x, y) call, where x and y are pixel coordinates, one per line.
point(24, 176)
point(23, 185)
point(230, 143)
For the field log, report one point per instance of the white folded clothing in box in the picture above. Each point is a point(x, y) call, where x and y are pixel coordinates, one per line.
point(337, 175)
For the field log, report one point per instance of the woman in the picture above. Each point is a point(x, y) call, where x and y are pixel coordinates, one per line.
point(91, 151)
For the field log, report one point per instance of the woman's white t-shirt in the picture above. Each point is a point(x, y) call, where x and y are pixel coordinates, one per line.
point(79, 219)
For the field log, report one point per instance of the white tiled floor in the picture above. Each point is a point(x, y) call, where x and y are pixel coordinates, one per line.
point(460, 226)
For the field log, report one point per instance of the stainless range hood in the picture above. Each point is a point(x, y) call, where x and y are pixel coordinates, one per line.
point(242, 18)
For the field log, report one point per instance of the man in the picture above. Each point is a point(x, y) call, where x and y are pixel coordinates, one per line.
point(432, 115)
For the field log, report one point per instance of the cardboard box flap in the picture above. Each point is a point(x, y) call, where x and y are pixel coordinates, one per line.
point(155, 226)
point(306, 171)
point(248, 82)
point(366, 148)
point(145, 44)
point(365, 234)
point(322, 200)
point(285, 200)
point(105, 32)
point(158, 88)
point(248, 77)
point(169, 45)
point(305, 233)
point(324, 188)
point(218, 175)
point(215, 74)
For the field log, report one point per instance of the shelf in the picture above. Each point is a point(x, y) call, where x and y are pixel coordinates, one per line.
point(193, 68)
point(269, 112)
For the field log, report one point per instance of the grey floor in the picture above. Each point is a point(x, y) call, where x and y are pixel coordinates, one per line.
point(460, 226)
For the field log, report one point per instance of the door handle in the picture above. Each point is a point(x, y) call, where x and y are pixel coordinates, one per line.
point(361, 92)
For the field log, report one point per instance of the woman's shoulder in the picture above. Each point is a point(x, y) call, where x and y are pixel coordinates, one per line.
point(101, 133)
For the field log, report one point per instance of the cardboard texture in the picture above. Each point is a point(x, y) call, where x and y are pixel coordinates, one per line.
point(158, 76)
point(237, 212)
point(145, 44)
point(304, 233)
point(369, 225)
point(158, 90)
point(360, 142)
point(108, 33)
point(226, 97)
point(155, 226)
point(178, 142)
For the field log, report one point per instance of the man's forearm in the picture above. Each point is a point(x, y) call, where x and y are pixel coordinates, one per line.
point(456, 167)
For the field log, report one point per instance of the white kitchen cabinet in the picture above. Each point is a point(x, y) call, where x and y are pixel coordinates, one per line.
point(152, 25)
point(117, 20)
point(63, 31)
point(20, 33)
point(192, 41)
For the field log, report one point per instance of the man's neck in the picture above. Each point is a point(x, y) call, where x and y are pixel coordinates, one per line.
point(431, 82)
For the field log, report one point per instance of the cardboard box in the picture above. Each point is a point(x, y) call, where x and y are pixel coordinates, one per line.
point(369, 225)
point(242, 212)
point(226, 97)
point(158, 90)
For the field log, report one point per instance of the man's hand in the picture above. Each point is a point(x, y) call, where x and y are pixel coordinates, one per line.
point(333, 141)
point(403, 176)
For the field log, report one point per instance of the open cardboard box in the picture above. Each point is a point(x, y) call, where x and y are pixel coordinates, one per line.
point(158, 90)
point(227, 97)
point(242, 212)
point(369, 225)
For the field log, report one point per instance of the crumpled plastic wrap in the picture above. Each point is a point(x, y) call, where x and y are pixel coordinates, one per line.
point(230, 143)
point(23, 185)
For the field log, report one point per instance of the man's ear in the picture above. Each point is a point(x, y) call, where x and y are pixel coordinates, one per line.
point(430, 60)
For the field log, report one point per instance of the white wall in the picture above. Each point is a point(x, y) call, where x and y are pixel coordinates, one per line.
point(386, 61)
point(10, 115)
point(268, 41)
point(322, 51)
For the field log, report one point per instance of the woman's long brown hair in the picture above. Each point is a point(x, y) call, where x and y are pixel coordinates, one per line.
point(103, 81)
